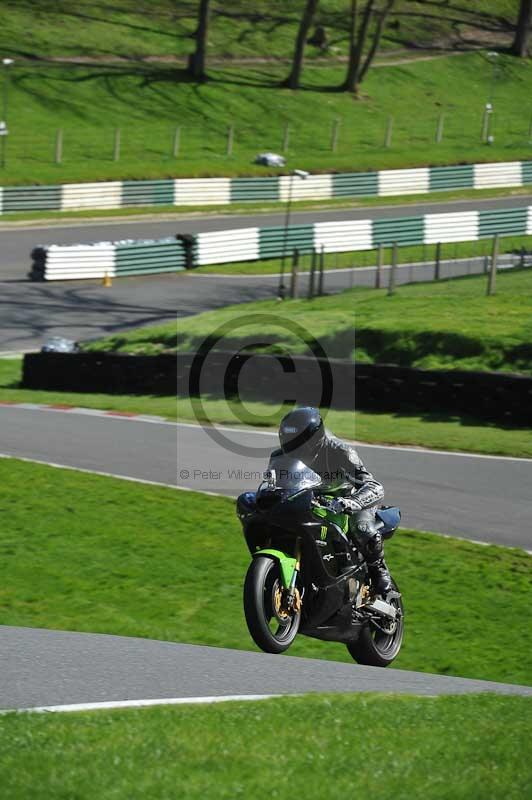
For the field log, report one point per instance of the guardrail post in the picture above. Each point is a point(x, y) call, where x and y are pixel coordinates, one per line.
point(322, 269)
point(334, 135)
point(380, 264)
point(312, 274)
point(294, 277)
point(286, 138)
point(486, 121)
point(116, 154)
point(439, 128)
point(493, 266)
point(59, 146)
point(437, 261)
point(230, 138)
point(389, 131)
point(188, 240)
point(391, 285)
point(177, 141)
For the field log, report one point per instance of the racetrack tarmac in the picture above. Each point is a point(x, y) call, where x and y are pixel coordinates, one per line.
point(481, 498)
point(41, 667)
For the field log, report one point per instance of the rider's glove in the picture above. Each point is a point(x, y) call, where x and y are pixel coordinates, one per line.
point(345, 505)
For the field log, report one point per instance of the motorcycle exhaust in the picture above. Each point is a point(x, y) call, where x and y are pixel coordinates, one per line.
point(382, 608)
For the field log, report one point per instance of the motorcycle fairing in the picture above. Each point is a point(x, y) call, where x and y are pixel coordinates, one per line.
point(286, 562)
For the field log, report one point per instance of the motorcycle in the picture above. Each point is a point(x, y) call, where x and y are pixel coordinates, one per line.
point(307, 576)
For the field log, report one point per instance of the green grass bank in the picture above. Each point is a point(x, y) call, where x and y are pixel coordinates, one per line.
point(264, 28)
point(147, 101)
point(446, 325)
point(88, 553)
point(459, 747)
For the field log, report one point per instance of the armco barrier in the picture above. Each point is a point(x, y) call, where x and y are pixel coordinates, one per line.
point(223, 191)
point(112, 259)
point(490, 396)
point(249, 244)
point(352, 235)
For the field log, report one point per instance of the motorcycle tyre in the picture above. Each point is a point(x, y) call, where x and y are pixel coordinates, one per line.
point(365, 651)
point(258, 626)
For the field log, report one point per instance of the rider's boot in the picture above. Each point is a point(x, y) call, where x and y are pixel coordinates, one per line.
point(378, 571)
point(380, 576)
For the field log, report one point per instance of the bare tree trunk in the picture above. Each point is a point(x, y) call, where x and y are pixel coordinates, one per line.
point(376, 39)
point(356, 46)
point(522, 31)
point(293, 80)
point(197, 59)
point(350, 78)
point(358, 67)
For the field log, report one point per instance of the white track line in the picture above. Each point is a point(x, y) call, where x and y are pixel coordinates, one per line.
point(407, 449)
point(163, 701)
point(402, 448)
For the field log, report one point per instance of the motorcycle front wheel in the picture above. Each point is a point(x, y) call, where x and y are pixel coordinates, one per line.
point(272, 628)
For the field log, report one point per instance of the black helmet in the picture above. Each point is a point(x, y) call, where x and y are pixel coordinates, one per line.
point(301, 432)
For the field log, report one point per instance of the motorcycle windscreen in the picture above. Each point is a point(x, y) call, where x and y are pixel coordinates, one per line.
point(290, 475)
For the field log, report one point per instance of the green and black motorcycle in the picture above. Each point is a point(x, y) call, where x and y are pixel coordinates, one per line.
point(307, 576)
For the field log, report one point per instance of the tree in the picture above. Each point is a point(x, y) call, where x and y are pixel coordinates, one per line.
point(359, 63)
point(522, 30)
point(197, 59)
point(294, 78)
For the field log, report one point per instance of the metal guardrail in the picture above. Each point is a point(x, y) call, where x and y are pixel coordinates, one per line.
point(224, 191)
point(248, 244)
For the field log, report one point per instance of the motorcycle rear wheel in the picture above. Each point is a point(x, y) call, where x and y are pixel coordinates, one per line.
point(272, 629)
point(376, 648)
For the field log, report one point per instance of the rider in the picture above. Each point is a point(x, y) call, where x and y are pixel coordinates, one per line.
point(302, 434)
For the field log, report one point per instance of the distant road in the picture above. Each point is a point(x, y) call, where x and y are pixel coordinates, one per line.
point(17, 243)
point(30, 313)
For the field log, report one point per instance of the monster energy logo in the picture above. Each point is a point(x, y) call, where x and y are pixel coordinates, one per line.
point(324, 531)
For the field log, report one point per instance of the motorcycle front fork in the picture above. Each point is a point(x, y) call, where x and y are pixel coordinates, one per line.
point(291, 591)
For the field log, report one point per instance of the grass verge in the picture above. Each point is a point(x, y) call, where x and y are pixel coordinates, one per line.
point(423, 430)
point(438, 747)
point(83, 552)
point(141, 100)
point(449, 324)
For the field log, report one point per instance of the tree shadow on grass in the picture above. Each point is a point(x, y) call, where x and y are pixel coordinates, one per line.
point(49, 88)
